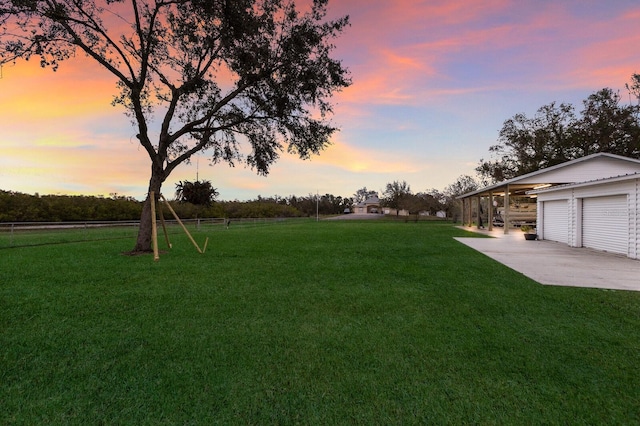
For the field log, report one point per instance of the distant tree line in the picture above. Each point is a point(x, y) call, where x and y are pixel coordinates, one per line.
point(398, 195)
point(20, 207)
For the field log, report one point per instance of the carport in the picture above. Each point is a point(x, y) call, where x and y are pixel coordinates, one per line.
point(502, 193)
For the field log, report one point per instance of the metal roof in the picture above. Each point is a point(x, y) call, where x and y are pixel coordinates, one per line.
point(527, 176)
point(586, 183)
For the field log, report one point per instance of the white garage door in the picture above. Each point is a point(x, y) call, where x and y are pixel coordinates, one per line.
point(605, 223)
point(556, 221)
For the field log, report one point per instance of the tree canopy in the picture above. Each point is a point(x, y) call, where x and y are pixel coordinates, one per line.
point(19, 207)
point(555, 134)
point(362, 194)
point(395, 194)
point(243, 80)
point(462, 185)
point(634, 86)
point(199, 192)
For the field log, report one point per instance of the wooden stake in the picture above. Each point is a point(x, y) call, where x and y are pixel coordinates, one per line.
point(164, 228)
point(154, 226)
point(205, 245)
point(180, 222)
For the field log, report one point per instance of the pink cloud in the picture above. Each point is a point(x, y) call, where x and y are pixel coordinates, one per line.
point(593, 51)
point(402, 51)
point(393, 48)
point(350, 158)
point(50, 164)
point(632, 15)
point(77, 89)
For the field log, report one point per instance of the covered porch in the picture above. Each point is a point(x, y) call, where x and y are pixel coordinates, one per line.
point(505, 206)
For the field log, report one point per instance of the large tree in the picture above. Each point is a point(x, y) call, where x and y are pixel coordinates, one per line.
point(608, 126)
point(362, 194)
point(462, 185)
point(395, 195)
point(242, 79)
point(420, 202)
point(528, 144)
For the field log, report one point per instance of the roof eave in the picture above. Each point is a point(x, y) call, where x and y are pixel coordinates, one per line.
point(545, 170)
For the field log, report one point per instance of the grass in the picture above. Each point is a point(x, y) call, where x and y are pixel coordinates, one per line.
point(312, 323)
point(11, 238)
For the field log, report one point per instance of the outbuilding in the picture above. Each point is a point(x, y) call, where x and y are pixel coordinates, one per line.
point(592, 202)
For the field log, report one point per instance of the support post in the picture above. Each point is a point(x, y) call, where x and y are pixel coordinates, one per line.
point(164, 228)
point(463, 218)
point(507, 221)
point(490, 213)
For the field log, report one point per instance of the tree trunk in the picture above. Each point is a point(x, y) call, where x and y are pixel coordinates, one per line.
point(143, 243)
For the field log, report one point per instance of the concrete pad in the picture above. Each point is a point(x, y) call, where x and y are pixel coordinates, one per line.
point(554, 263)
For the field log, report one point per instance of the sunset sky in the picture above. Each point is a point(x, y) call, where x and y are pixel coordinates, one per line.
point(433, 82)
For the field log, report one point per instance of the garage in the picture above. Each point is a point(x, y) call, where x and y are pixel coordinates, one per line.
point(556, 221)
point(605, 223)
point(603, 215)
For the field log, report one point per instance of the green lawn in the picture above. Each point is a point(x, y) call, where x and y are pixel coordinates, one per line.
point(311, 323)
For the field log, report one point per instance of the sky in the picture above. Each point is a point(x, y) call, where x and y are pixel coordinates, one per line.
point(433, 82)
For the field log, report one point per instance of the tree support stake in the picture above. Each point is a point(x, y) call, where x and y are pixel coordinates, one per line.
point(184, 228)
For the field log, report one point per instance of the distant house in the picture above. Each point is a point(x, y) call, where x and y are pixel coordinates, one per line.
point(592, 202)
point(395, 212)
point(440, 214)
point(370, 205)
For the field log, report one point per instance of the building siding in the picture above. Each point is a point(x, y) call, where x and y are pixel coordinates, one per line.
point(595, 168)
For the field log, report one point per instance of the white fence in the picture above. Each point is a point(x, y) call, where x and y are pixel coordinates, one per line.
point(22, 234)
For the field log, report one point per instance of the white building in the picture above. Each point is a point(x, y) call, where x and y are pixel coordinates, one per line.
point(592, 201)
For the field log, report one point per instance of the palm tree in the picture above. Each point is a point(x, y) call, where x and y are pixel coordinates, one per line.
point(198, 192)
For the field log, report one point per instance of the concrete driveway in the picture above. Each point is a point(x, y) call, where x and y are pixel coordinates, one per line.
point(553, 263)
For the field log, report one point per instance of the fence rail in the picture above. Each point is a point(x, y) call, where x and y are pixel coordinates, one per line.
point(23, 234)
